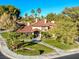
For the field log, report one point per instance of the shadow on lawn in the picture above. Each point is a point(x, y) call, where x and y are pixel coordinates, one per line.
point(41, 51)
point(23, 44)
point(30, 43)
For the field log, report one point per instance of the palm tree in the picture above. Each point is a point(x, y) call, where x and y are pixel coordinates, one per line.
point(36, 15)
point(26, 15)
point(42, 17)
point(39, 11)
point(33, 11)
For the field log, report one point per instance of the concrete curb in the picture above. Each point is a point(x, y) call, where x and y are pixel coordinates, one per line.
point(6, 54)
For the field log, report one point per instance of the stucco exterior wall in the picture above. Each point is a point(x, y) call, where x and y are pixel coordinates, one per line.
point(40, 28)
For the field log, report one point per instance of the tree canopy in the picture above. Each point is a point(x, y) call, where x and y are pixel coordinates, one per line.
point(8, 16)
point(72, 12)
point(10, 10)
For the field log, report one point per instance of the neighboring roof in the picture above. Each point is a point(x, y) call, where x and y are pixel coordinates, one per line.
point(41, 23)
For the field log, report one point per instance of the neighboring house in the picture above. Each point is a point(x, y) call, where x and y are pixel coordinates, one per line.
point(36, 27)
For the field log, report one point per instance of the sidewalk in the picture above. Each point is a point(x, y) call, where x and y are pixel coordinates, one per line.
point(58, 51)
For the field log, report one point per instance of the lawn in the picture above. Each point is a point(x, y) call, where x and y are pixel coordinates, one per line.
point(37, 49)
point(21, 46)
point(60, 45)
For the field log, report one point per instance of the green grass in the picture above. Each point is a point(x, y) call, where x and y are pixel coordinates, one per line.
point(37, 49)
point(27, 52)
point(61, 45)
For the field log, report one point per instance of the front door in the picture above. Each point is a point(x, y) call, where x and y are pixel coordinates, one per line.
point(36, 34)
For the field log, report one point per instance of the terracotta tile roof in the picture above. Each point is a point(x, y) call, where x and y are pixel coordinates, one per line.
point(39, 23)
point(27, 29)
point(42, 23)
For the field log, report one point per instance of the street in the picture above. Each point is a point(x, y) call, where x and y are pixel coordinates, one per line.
point(3, 57)
point(74, 56)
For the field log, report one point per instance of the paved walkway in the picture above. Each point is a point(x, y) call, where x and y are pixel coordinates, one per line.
point(58, 51)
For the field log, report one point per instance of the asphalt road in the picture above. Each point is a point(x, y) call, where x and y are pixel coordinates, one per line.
point(3, 57)
point(74, 56)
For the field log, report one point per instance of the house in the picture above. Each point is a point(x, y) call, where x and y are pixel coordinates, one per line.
point(36, 27)
point(42, 25)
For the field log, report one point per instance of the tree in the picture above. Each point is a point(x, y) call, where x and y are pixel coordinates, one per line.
point(72, 12)
point(9, 9)
point(8, 16)
point(26, 15)
point(17, 12)
point(35, 15)
point(65, 30)
point(1, 10)
point(32, 11)
point(51, 16)
point(39, 11)
point(42, 17)
point(12, 10)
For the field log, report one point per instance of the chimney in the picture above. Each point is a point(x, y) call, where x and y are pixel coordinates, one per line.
point(52, 21)
point(28, 23)
point(45, 20)
point(36, 20)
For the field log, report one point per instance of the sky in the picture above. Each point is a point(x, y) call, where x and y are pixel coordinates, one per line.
point(47, 6)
